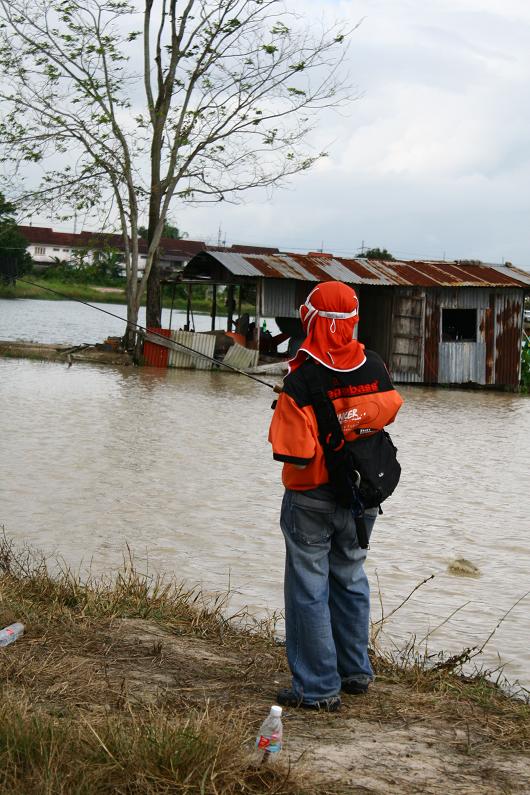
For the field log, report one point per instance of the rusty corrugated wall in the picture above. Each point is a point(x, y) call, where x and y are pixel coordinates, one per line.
point(489, 334)
point(495, 356)
point(432, 338)
point(156, 355)
point(461, 362)
point(508, 334)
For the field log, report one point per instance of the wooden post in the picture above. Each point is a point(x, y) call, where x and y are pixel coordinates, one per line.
point(257, 330)
point(172, 304)
point(214, 305)
point(188, 308)
point(239, 301)
point(230, 303)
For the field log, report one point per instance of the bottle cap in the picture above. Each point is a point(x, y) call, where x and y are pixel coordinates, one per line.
point(276, 711)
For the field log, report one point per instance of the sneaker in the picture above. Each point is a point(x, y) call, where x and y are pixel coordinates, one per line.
point(288, 698)
point(354, 688)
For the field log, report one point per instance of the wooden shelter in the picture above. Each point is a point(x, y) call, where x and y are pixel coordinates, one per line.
point(432, 322)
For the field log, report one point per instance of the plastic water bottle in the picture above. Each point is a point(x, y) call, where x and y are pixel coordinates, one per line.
point(11, 633)
point(269, 739)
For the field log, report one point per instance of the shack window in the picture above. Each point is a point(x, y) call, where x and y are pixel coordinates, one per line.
point(459, 325)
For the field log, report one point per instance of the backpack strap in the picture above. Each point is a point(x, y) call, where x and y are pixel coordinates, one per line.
point(329, 429)
point(341, 475)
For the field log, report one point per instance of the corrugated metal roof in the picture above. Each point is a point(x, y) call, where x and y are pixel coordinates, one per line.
point(312, 267)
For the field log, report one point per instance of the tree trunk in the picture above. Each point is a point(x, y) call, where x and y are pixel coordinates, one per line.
point(129, 339)
point(154, 292)
point(154, 296)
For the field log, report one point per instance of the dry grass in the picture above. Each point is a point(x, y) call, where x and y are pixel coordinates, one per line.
point(136, 753)
point(134, 684)
point(84, 707)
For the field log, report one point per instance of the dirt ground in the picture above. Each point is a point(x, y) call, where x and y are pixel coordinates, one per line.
point(391, 742)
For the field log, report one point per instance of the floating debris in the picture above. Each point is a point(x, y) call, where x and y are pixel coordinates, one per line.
point(463, 568)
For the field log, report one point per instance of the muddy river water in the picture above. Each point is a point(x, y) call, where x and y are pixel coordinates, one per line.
point(176, 464)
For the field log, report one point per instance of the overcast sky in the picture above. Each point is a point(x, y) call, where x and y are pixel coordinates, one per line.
point(432, 160)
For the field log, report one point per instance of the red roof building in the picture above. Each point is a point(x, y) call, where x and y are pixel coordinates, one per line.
point(47, 246)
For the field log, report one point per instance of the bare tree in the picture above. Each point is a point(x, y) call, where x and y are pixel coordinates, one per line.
point(122, 109)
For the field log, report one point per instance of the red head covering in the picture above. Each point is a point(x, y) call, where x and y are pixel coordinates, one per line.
point(329, 317)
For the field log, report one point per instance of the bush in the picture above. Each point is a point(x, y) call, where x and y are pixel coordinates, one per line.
point(105, 268)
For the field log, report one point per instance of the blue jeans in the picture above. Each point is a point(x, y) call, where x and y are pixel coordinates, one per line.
point(327, 596)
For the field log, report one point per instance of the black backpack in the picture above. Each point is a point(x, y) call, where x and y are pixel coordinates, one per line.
point(362, 473)
point(374, 458)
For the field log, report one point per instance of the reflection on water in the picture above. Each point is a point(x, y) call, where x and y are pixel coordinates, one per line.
point(177, 464)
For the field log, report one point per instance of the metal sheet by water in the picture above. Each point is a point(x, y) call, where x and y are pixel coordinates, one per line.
point(462, 363)
point(240, 357)
point(156, 355)
point(203, 343)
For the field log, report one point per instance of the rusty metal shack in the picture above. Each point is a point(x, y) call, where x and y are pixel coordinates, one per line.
point(433, 322)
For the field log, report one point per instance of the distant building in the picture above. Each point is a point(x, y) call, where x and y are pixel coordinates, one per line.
point(47, 246)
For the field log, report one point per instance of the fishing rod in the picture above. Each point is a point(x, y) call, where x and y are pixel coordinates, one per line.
point(154, 333)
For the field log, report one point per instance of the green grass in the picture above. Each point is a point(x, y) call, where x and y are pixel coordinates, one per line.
point(88, 292)
point(68, 291)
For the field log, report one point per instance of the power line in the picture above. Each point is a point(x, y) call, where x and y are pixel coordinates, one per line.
point(354, 251)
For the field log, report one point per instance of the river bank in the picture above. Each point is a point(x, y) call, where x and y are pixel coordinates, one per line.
point(133, 684)
point(94, 354)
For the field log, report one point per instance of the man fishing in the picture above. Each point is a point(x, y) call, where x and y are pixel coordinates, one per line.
point(327, 598)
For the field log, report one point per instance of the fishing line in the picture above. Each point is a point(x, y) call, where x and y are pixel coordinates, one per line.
point(152, 333)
